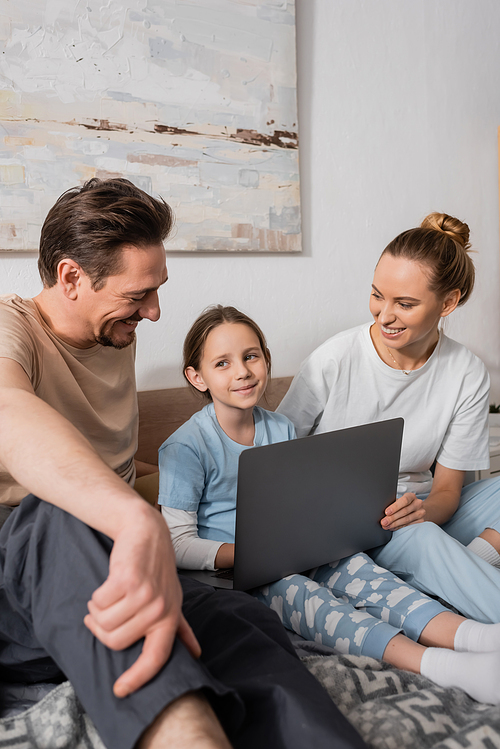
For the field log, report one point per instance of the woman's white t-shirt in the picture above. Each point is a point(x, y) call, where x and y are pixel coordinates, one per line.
point(444, 403)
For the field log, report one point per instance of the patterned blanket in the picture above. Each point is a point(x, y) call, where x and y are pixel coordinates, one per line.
point(58, 720)
point(391, 709)
point(394, 709)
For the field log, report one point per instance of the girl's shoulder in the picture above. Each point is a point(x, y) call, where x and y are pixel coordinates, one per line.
point(271, 417)
point(195, 428)
point(277, 426)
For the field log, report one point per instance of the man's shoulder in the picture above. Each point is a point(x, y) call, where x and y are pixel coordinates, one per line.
point(13, 307)
point(19, 338)
point(19, 319)
point(9, 299)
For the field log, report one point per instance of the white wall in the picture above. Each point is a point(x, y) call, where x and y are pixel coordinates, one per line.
point(399, 105)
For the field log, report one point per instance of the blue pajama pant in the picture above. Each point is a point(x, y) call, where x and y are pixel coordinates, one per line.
point(435, 559)
point(352, 605)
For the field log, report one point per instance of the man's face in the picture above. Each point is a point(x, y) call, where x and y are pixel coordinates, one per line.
point(111, 314)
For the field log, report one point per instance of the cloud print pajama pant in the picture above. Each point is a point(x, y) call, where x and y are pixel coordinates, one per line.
point(351, 605)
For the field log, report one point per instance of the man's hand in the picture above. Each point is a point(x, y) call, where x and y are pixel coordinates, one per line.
point(141, 597)
point(406, 510)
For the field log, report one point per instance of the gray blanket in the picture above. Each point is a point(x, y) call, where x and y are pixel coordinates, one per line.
point(57, 720)
point(391, 709)
point(395, 709)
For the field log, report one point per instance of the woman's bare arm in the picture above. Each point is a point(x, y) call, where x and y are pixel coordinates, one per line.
point(439, 506)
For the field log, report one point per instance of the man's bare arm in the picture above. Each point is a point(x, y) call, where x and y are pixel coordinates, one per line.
point(142, 594)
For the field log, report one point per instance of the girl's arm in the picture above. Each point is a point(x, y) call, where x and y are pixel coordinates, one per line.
point(191, 551)
point(182, 483)
point(225, 557)
point(439, 506)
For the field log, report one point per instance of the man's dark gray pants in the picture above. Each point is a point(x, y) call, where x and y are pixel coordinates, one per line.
point(50, 563)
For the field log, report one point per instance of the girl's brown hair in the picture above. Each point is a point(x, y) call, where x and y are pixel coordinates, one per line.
point(210, 319)
point(441, 243)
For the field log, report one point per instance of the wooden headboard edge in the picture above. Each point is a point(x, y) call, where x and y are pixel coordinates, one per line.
point(161, 412)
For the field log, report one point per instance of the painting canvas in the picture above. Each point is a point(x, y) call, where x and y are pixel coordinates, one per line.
point(194, 100)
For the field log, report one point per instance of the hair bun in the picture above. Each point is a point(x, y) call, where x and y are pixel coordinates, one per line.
point(449, 225)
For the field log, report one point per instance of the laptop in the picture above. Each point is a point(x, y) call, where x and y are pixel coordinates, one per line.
point(310, 501)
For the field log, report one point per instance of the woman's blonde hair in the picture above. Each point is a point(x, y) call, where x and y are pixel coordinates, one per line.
point(210, 319)
point(441, 243)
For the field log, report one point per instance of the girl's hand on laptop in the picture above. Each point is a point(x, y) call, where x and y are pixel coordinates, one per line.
point(224, 559)
point(406, 510)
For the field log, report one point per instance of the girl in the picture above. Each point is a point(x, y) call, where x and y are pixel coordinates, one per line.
point(354, 605)
point(403, 365)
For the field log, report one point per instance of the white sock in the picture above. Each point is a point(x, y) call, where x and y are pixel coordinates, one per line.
point(485, 550)
point(475, 637)
point(478, 674)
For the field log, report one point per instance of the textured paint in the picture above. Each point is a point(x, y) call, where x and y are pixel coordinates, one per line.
point(193, 100)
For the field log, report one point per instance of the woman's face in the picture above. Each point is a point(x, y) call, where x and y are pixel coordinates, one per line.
point(405, 310)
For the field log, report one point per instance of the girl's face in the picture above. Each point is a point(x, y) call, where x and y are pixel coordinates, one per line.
point(233, 367)
point(405, 310)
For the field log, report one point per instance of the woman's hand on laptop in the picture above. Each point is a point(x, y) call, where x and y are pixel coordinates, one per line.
point(224, 559)
point(406, 510)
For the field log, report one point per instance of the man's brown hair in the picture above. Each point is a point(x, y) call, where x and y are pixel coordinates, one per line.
point(92, 223)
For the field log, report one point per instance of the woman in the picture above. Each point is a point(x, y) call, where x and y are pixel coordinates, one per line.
point(352, 605)
point(403, 365)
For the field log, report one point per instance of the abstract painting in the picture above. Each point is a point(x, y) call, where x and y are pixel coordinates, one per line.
point(193, 100)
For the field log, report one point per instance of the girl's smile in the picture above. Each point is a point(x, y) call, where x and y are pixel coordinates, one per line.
point(245, 389)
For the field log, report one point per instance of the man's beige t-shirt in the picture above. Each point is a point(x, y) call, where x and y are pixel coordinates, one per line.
point(93, 388)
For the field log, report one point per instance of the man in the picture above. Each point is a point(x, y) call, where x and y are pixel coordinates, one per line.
point(83, 537)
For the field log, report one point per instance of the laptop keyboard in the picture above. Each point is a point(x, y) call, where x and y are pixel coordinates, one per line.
point(224, 574)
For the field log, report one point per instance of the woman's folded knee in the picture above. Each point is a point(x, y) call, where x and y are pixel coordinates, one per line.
point(425, 531)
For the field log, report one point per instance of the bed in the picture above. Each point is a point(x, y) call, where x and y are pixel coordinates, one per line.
point(391, 709)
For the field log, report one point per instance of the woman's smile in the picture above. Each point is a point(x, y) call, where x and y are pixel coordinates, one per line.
point(392, 332)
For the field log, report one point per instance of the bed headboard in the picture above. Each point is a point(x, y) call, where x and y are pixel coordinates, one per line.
point(161, 412)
